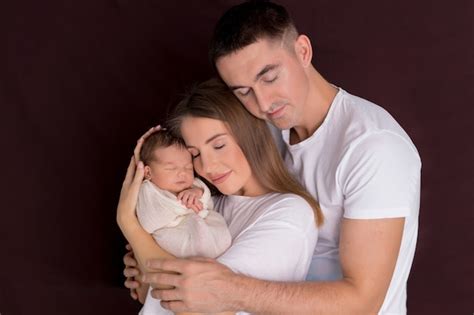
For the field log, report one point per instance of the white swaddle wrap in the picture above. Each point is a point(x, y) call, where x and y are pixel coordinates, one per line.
point(179, 230)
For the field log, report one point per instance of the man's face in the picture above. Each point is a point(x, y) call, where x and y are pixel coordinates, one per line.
point(270, 81)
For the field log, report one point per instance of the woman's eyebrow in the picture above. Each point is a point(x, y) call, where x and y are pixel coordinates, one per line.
point(208, 140)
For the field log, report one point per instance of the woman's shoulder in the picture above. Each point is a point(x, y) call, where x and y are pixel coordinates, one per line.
point(291, 201)
point(288, 208)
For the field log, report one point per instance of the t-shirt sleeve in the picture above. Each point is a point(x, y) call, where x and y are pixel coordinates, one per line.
point(278, 246)
point(380, 177)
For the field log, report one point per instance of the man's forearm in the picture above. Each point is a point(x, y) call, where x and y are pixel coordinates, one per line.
point(267, 297)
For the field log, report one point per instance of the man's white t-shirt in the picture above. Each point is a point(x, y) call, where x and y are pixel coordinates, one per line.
point(273, 238)
point(359, 164)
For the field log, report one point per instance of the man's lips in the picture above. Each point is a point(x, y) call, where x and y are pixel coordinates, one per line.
point(277, 112)
point(217, 179)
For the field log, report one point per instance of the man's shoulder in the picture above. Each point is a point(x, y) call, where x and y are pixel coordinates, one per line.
point(360, 111)
point(355, 118)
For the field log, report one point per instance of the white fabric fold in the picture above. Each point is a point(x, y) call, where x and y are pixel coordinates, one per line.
point(179, 230)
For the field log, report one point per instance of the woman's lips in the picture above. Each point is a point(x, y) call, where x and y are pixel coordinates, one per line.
point(220, 178)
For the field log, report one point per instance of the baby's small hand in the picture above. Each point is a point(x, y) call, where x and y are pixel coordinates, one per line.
point(190, 198)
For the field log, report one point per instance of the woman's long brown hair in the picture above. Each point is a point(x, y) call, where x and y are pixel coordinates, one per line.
point(213, 99)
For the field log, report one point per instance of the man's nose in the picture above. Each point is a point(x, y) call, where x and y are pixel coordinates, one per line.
point(263, 100)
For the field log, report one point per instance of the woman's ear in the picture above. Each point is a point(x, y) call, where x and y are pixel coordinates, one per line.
point(303, 50)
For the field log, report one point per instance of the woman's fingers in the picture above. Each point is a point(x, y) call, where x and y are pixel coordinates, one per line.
point(139, 174)
point(130, 172)
point(133, 294)
point(132, 185)
point(129, 260)
point(138, 147)
point(130, 188)
point(131, 284)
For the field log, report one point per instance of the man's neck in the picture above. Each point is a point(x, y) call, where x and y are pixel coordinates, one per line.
point(320, 97)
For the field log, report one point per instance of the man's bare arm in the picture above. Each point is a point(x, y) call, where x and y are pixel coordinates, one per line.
point(368, 253)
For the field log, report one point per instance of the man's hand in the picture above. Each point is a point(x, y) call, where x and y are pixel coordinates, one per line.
point(190, 198)
point(200, 285)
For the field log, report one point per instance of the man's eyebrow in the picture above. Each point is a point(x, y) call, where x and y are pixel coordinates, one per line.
point(208, 140)
point(262, 72)
point(265, 70)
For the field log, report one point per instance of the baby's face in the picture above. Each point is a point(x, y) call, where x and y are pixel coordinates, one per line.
point(172, 169)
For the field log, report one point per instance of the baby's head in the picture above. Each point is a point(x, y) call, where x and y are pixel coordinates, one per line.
point(168, 163)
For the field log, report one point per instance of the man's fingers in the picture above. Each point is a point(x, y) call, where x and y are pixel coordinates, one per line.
point(162, 279)
point(175, 306)
point(173, 265)
point(166, 295)
point(203, 259)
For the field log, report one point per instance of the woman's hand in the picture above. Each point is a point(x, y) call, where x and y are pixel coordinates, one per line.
point(138, 147)
point(129, 193)
point(131, 272)
point(133, 179)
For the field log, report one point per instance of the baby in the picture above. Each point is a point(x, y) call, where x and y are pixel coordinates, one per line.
point(173, 205)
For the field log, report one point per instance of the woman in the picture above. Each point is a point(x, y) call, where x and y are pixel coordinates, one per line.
point(270, 216)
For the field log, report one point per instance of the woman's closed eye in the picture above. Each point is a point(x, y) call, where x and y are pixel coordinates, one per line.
point(243, 91)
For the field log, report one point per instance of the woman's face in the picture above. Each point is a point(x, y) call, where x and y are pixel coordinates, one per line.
point(218, 158)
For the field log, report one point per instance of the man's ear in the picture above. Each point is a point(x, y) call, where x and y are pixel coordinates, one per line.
point(303, 50)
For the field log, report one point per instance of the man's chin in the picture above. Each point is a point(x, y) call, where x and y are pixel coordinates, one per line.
point(281, 124)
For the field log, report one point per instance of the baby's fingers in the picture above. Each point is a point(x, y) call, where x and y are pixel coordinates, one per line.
point(194, 208)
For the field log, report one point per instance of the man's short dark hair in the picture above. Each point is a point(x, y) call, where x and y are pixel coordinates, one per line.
point(246, 23)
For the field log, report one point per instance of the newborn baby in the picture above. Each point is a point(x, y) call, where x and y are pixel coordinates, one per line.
point(175, 207)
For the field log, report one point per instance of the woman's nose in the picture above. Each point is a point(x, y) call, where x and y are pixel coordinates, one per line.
point(208, 164)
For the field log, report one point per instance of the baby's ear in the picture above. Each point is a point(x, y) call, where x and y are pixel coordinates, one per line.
point(147, 170)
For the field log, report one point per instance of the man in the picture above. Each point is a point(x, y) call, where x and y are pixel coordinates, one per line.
point(349, 153)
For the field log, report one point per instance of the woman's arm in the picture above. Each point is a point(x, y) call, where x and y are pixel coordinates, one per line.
point(143, 244)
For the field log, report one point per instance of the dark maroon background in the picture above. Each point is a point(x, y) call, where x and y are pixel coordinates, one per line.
point(81, 80)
